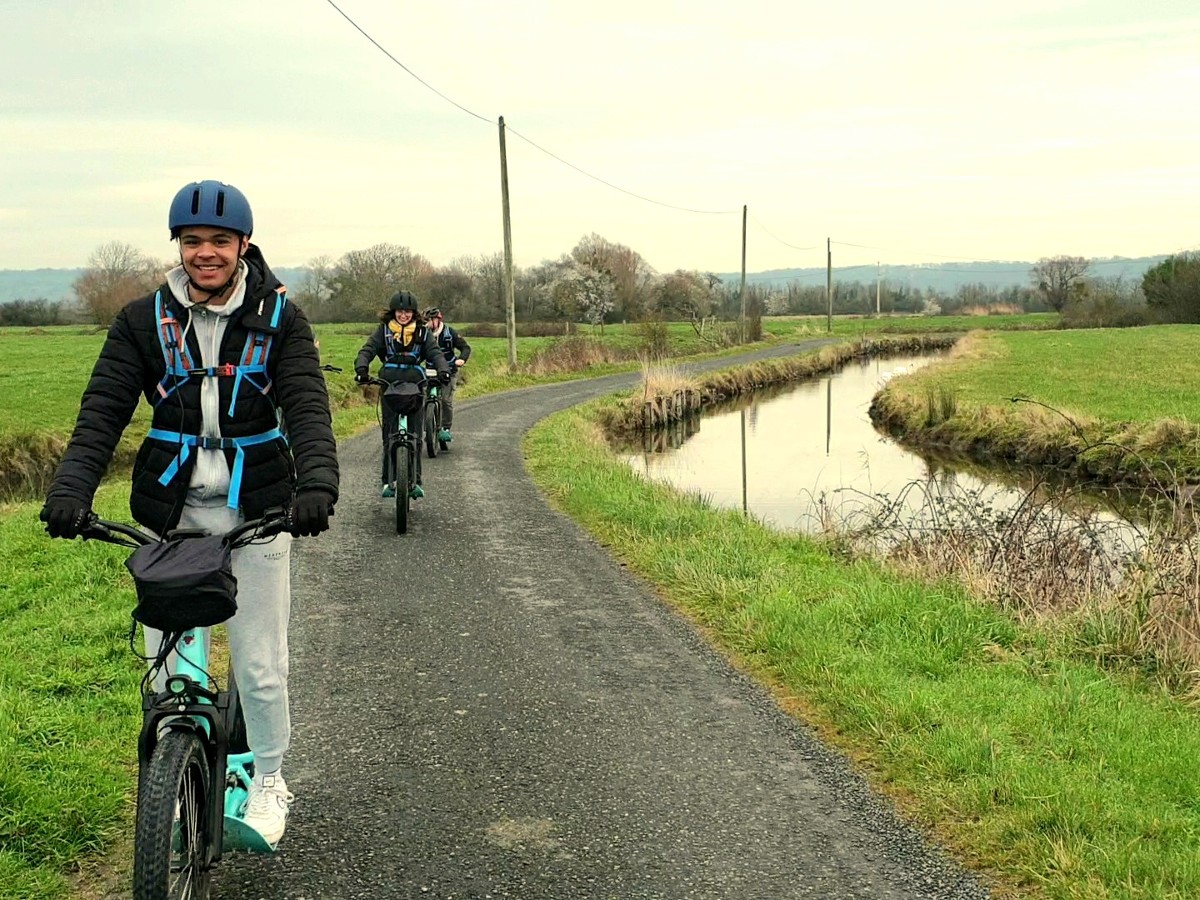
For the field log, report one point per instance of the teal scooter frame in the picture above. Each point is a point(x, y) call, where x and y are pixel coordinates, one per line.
point(186, 817)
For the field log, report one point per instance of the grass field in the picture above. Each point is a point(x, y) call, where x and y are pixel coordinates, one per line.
point(1131, 374)
point(46, 369)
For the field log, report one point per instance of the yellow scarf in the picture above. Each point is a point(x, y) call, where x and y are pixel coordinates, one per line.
point(404, 334)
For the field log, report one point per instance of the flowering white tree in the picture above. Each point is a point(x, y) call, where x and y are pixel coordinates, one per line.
point(579, 290)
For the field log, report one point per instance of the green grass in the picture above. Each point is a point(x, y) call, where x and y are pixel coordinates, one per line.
point(799, 327)
point(43, 375)
point(69, 707)
point(46, 369)
point(1130, 374)
point(1058, 779)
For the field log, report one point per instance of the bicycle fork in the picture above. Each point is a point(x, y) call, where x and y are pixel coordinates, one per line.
point(186, 703)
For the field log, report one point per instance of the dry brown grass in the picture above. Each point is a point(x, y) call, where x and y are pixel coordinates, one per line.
point(572, 354)
point(662, 378)
point(998, 309)
point(625, 419)
point(1124, 594)
point(28, 462)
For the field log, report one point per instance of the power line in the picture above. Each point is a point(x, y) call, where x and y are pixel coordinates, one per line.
point(616, 187)
point(406, 68)
point(512, 130)
point(781, 240)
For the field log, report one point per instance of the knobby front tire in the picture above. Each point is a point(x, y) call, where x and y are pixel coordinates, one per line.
point(433, 422)
point(171, 841)
point(403, 486)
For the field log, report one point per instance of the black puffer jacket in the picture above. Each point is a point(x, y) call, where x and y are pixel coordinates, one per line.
point(131, 364)
point(408, 364)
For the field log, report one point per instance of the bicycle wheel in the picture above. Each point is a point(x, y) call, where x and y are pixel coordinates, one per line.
point(403, 471)
point(171, 840)
point(433, 422)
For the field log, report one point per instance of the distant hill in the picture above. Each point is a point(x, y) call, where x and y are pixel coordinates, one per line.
point(37, 284)
point(55, 284)
point(946, 278)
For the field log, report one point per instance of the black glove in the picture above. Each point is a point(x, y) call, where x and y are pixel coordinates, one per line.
point(65, 517)
point(310, 513)
point(362, 376)
point(444, 377)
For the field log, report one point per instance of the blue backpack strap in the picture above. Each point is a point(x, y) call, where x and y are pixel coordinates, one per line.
point(255, 354)
point(176, 357)
point(187, 441)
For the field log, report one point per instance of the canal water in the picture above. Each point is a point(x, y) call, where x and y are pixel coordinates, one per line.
point(807, 455)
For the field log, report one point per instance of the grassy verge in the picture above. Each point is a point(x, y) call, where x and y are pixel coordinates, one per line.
point(68, 701)
point(1115, 406)
point(1053, 776)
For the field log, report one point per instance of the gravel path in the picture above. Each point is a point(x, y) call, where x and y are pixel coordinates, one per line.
point(489, 706)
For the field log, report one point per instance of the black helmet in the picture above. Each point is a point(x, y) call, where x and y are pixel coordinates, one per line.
point(431, 313)
point(403, 300)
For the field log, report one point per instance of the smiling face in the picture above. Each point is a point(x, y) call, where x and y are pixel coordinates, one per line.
point(210, 255)
point(404, 316)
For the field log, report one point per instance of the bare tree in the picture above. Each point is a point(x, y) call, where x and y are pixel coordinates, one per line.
point(315, 289)
point(1056, 277)
point(685, 295)
point(487, 300)
point(364, 280)
point(449, 289)
point(116, 273)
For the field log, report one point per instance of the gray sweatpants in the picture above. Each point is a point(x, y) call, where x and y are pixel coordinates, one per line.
point(258, 644)
point(446, 392)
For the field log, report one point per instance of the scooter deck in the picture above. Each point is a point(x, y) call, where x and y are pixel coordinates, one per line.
point(240, 836)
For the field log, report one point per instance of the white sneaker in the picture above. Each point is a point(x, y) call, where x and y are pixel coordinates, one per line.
point(267, 807)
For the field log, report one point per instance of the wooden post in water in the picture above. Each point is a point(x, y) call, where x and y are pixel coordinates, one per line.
point(745, 506)
point(828, 412)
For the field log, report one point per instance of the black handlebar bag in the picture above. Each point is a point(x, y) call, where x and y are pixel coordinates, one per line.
point(403, 398)
point(184, 583)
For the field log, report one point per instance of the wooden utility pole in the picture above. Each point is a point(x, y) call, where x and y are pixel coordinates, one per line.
point(743, 291)
point(829, 282)
point(509, 294)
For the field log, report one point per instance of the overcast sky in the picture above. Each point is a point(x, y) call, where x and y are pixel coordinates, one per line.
point(923, 131)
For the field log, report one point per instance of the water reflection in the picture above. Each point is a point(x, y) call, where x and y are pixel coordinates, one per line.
point(805, 456)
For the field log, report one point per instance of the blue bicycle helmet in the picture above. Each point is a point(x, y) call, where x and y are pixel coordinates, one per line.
point(211, 203)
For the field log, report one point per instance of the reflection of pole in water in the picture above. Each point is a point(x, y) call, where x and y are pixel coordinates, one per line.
point(745, 508)
point(828, 413)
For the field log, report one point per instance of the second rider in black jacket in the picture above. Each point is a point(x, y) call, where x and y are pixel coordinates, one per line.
point(405, 345)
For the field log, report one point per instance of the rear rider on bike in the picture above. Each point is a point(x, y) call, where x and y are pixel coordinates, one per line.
point(221, 355)
point(457, 351)
point(405, 345)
